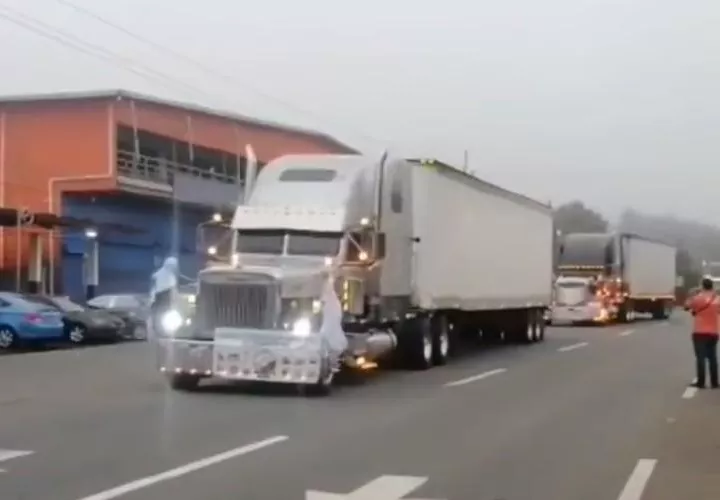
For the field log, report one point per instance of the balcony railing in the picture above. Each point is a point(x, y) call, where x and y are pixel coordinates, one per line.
point(161, 170)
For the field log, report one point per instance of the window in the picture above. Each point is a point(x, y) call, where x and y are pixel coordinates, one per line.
point(314, 244)
point(102, 301)
point(67, 305)
point(268, 242)
point(308, 175)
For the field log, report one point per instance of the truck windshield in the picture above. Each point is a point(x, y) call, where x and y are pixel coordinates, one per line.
point(571, 293)
point(314, 244)
point(267, 242)
point(587, 250)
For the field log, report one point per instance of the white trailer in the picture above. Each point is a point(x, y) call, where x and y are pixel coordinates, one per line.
point(482, 249)
point(624, 274)
point(422, 257)
point(649, 273)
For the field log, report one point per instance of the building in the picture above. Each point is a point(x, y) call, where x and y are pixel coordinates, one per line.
point(142, 173)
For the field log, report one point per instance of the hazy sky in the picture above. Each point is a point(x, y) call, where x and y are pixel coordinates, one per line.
point(615, 102)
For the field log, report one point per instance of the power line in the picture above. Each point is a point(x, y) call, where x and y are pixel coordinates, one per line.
point(198, 64)
point(49, 32)
point(66, 39)
point(235, 82)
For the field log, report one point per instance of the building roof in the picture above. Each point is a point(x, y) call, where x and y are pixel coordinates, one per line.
point(194, 108)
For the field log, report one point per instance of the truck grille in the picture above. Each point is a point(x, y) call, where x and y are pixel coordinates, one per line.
point(237, 305)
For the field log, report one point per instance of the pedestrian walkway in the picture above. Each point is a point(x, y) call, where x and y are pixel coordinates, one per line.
point(689, 456)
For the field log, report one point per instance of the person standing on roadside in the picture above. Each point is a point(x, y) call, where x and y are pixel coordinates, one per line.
point(705, 308)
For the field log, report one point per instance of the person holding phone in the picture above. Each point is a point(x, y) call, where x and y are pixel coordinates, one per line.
point(705, 308)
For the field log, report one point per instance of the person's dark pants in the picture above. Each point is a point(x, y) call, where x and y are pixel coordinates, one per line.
point(705, 347)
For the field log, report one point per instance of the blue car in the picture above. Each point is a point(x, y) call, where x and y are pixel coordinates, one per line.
point(26, 322)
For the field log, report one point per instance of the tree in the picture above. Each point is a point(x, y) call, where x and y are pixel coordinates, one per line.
point(575, 217)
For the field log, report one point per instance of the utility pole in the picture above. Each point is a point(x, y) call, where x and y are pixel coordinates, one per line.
point(466, 162)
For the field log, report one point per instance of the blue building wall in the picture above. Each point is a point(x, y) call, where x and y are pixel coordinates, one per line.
point(128, 260)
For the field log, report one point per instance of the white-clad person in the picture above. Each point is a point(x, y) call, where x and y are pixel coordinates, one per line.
point(162, 292)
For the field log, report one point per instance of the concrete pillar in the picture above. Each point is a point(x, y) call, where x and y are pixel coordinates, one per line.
point(92, 268)
point(35, 264)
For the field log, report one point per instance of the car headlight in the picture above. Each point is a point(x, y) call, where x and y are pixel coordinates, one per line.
point(302, 327)
point(171, 321)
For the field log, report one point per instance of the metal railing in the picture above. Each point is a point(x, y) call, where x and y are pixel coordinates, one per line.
point(161, 170)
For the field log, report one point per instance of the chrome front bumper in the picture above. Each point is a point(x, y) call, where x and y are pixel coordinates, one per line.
point(248, 355)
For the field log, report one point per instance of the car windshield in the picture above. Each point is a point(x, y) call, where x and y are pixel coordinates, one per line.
point(67, 305)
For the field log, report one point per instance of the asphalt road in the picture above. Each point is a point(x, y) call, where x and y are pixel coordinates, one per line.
point(585, 415)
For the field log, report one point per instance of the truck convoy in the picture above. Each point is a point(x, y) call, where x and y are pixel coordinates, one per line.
point(422, 257)
point(611, 277)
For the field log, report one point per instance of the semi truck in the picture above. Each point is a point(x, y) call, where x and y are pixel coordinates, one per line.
point(423, 258)
point(608, 277)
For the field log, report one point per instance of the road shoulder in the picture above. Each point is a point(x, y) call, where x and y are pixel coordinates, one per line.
point(689, 453)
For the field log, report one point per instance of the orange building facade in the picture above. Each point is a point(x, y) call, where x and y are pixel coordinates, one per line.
point(56, 146)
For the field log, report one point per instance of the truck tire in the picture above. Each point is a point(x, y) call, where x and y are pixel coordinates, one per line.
point(416, 344)
point(441, 341)
point(184, 382)
point(322, 387)
point(540, 326)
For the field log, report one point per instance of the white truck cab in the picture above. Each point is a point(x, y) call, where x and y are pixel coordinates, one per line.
point(577, 301)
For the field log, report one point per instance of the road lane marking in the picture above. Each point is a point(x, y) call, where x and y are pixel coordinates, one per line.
point(638, 480)
point(573, 347)
point(625, 333)
point(11, 454)
point(690, 392)
point(475, 378)
point(145, 482)
point(382, 488)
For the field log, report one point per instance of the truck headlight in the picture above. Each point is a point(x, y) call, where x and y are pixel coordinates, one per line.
point(302, 327)
point(171, 321)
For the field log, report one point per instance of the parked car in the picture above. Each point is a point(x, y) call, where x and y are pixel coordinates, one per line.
point(26, 322)
point(131, 308)
point(83, 324)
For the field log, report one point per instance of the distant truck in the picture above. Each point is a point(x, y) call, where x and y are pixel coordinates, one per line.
point(611, 277)
point(422, 256)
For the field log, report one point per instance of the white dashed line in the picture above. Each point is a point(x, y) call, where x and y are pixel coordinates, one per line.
point(475, 378)
point(573, 347)
point(625, 333)
point(145, 482)
point(690, 393)
point(636, 484)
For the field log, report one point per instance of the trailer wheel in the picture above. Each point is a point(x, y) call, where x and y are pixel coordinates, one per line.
point(441, 343)
point(184, 382)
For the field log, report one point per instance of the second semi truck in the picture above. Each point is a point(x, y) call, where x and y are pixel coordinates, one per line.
point(612, 276)
point(421, 256)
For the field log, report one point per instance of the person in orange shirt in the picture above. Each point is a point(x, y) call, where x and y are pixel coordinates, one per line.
point(705, 308)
